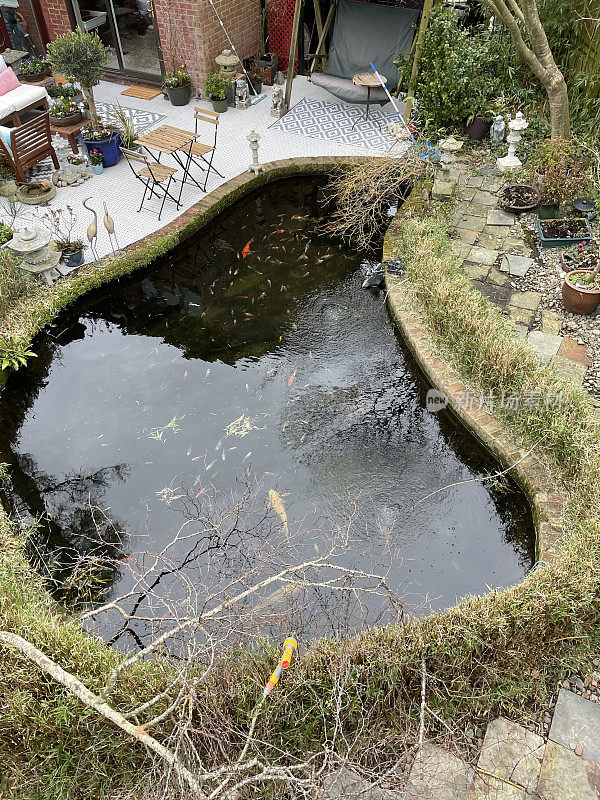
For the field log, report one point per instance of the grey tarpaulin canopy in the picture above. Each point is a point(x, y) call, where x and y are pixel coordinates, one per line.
point(365, 32)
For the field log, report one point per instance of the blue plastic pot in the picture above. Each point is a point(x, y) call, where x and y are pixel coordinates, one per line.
point(98, 168)
point(110, 149)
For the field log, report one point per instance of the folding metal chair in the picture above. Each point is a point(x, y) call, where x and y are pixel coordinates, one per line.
point(200, 151)
point(153, 175)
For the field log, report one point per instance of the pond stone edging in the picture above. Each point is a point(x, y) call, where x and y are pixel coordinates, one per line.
point(531, 473)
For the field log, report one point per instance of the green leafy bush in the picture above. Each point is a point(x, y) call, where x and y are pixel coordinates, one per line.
point(215, 86)
point(454, 83)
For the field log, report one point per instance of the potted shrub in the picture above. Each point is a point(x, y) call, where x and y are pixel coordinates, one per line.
point(557, 174)
point(581, 289)
point(81, 56)
point(95, 157)
point(178, 86)
point(33, 69)
point(65, 112)
point(564, 232)
point(256, 76)
point(215, 86)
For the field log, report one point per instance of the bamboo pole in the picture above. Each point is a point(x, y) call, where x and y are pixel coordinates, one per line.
point(293, 45)
point(410, 95)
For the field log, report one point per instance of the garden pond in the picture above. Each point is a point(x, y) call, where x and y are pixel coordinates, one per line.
point(249, 357)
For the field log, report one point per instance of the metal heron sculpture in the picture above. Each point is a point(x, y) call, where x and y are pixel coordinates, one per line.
point(92, 229)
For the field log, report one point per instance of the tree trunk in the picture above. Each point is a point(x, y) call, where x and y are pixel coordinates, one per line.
point(89, 96)
point(521, 17)
point(558, 100)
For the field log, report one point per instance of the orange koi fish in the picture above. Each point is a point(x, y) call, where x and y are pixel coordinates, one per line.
point(246, 249)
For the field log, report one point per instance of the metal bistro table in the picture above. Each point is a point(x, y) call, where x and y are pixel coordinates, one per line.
point(173, 142)
point(370, 80)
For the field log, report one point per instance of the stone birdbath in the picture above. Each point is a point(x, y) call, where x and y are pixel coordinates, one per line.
point(31, 244)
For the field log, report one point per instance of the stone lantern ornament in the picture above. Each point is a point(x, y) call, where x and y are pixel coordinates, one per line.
point(444, 185)
point(227, 63)
point(254, 138)
point(31, 244)
point(516, 127)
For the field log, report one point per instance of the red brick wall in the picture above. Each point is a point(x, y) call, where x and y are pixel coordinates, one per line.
point(189, 29)
point(56, 16)
point(192, 31)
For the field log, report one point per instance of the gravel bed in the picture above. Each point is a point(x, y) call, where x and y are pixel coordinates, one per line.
point(547, 278)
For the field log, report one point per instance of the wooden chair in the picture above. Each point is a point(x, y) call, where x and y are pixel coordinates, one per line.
point(30, 143)
point(153, 175)
point(200, 151)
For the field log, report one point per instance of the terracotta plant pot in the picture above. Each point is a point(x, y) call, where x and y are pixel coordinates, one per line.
point(64, 121)
point(479, 128)
point(576, 299)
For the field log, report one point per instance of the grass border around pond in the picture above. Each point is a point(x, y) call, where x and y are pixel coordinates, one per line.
point(501, 653)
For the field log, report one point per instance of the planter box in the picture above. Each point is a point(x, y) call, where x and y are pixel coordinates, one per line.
point(565, 242)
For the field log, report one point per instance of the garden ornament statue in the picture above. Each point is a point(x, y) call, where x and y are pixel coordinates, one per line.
point(516, 127)
point(444, 185)
point(498, 129)
point(242, 96)
point(278, 108)
point(31, 244)
point(92, 229)
point(227, 63)
point(254, 138)
point(109, 224)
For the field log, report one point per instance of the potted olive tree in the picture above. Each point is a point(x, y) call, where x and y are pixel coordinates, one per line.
point(215, 87)
point(81, 56)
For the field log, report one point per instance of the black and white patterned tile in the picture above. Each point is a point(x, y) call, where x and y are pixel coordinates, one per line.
point(142, 118)
point(320, 119)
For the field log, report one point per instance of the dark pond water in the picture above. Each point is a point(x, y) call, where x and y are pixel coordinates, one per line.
point(251, 356)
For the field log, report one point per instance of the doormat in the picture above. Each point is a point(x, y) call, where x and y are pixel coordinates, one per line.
point(346, 124)
point(143, 92)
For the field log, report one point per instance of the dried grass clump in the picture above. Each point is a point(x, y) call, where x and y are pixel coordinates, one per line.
point(364, 190)
point(15, 284)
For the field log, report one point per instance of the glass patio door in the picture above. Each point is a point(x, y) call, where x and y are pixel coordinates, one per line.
point(129, 29)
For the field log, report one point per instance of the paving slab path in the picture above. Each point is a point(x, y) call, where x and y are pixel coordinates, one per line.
point(494, 251)
point(514, 764)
